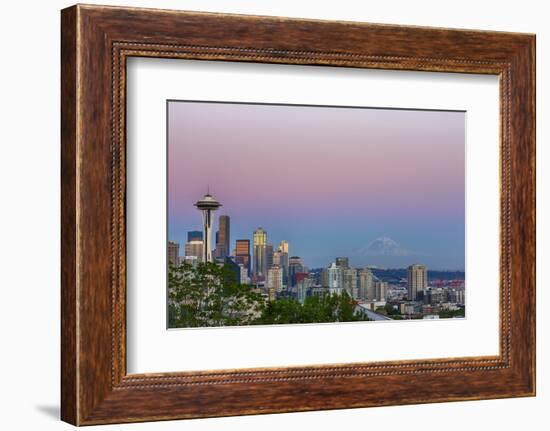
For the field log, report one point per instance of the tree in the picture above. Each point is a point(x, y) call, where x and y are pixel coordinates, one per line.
point(449, 314)
point(390, 310)
point(315, 309)
point(209, 295)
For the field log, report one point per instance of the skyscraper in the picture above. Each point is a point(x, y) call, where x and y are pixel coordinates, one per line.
point(269, 255)
point(366, 284)
point(380, 288)
point(173, 253)
point(350, 281)
point(274, 278)
point(295, 266)
point(335, 276)
point(342, 262)
point(194, 250)
point(223, 237)
point(194, 235)
point(282, 255)
point(260, 244)
point(242, 253)
point(324, 277)
point(206, 206)
point(277, 258)
point(302, 288)
point(417, 280)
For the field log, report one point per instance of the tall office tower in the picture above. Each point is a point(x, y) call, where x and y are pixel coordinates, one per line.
point(269, 255)
point(323, 279)
point(295, 266)
point(366, 284)
point(342, 262)
point(277, 258)
point(173, 253)
point(380, 288)
point(417, 277)
point(259, 241)
point(274, 278)
point(194, 235)
point(277, 261)
point(242, 253)
point(223, 237)
point(206, 206)
point(283, 259)
point(194, 250)
point(302, 288)
point(350, 281)
point(335, 278)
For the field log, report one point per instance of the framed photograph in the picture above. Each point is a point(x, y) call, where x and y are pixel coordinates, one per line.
point(264, 214)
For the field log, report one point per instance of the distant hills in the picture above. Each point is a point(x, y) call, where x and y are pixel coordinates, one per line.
point(394, 275)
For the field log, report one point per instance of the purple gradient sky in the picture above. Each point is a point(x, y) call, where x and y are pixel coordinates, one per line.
point(328, 180)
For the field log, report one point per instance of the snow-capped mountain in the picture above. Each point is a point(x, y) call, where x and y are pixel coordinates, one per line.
point(384, 246)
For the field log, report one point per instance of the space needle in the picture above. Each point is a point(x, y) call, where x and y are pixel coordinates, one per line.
point(206, 206)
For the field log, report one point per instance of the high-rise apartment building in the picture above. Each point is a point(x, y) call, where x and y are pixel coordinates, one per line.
point(223, 237)
point(417, 280)
point(242, 253)
point(323, 279)
point(380, 288)
point(274, 278)
point(173, 253)
point(259, 242)
point(194, 249)
point(350, 281)
point(366, 284)
point(335, 275)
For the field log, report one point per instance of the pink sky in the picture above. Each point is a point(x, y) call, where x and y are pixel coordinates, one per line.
point(313, 169)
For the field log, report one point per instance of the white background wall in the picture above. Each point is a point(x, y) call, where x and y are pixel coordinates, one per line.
point(29, 216)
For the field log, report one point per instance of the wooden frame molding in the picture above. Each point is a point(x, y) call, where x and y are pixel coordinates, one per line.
point(95, 42)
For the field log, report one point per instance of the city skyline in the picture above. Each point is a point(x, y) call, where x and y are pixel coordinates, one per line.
point(261, 182)
point(260, 237)
point(209, 287)
point(280, 288)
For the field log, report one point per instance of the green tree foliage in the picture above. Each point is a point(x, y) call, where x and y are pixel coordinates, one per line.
point(315, 309)
point(210, 295)
point(390, 310)
point(448, 314)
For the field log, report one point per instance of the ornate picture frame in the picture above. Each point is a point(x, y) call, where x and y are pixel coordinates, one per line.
point(96, 41)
